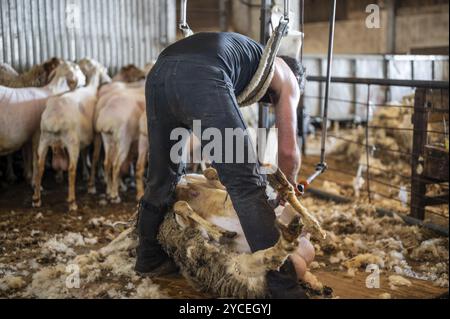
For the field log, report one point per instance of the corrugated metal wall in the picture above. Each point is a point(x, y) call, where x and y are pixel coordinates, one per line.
point(114, 32)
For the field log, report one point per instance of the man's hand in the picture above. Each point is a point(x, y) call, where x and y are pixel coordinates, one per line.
point(304, 256)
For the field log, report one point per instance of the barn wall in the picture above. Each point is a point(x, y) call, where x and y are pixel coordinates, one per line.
point(417, 24)
point(423, 29)
point(207, 15)
point(246, 16)
point(114, 32)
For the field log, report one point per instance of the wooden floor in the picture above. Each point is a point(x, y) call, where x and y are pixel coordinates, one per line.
point(355, 288)
point(343, 288)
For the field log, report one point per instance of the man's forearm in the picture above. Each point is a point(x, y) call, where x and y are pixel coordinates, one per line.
point(289, 163)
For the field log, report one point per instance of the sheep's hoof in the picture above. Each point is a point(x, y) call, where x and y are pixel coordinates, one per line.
point(211, 174)
point(116, 200)
point(226, 237)
point(293, 230)
point(123, 187)
point(73, 207)
point(92, 190)
point(37, 203)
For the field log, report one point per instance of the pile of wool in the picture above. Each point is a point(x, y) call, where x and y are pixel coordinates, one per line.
point(60, 247)
point(107, 272)
point(358, 236)
point(393, 115)
point(10, 282)
point(396, 281)
point(432, 249)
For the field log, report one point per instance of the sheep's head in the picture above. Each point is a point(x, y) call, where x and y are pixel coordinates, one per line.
point(129, 74)
point(42, 74)
point(91, 68)
point(71, 72)
point(51, 65)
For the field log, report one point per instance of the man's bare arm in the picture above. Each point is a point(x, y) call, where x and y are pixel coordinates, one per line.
point(285, 86)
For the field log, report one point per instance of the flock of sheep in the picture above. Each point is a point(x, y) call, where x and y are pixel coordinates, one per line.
point(70, 108)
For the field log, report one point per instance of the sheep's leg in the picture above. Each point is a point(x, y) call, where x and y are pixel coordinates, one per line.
point(274, 257)
point(286, 191)
point(121, 243)
point(41, 155)
point(95, 158)
point(140, 167)
point(121, 156)
point(84, 165)
point(122, 184)
point(213, 178)
point(27, 154)
point(10, 176)
point(74, 153)
point(34, 156)
point(132, 170)
point(109, 152)
point(215, 232)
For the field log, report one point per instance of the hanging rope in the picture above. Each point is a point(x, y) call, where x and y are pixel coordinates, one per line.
point(260, 82)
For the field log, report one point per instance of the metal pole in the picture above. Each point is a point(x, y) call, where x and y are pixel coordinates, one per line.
point(183, 15)
point(266, 11)
point(328, 81)
point(367, 144)
point(302, 27)
point(223, 12)
point(287, 8)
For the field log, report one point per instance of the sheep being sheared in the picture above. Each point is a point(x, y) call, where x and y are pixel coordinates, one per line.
point(204, 237)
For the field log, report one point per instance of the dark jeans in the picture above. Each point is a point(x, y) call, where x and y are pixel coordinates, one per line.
point(179, 91)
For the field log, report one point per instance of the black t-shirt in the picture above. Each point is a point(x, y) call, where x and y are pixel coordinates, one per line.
point(234, 53)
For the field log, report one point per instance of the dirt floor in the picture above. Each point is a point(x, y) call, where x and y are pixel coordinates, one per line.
point(35, 242)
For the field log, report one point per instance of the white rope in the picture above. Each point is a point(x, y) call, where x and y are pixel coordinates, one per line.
point(260, 82)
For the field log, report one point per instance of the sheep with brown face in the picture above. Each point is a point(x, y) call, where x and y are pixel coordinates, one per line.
point(38, 76)
point(129, 74)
